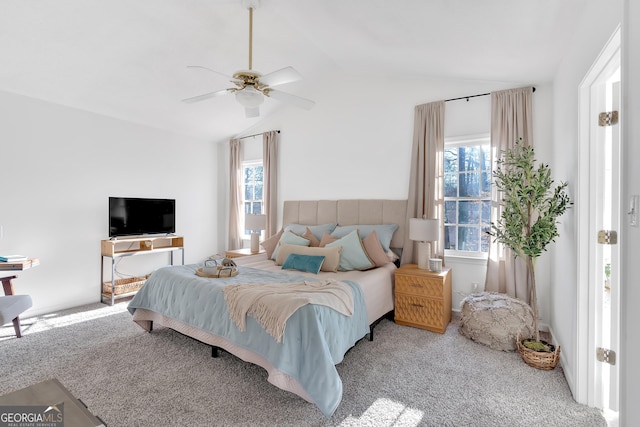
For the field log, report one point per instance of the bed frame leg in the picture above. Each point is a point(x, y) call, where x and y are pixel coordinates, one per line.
point(214, 351)
point(388, 316)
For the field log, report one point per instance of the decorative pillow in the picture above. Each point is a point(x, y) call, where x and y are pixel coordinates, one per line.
point(331, 255)
point(327, 238)
point(270, 244)
point(313, 240)
point(353, 255)
point(317, 230)
point(374, 249)
point(310, 263)
point(384, 231)
point(290, 238)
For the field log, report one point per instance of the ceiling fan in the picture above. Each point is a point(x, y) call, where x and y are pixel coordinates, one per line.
point(252, 86)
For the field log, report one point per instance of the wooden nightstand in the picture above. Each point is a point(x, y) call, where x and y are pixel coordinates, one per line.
point(237, 253)
point(423, 298)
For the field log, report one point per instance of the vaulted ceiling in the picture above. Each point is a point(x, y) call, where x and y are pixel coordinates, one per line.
point(127, 58)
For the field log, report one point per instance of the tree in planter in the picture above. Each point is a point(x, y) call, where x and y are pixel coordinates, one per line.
point(531, 206)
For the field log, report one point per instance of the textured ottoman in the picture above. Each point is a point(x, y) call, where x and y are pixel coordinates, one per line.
point(495, 320)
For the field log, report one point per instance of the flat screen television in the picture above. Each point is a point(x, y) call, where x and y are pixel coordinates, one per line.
point(130, 216)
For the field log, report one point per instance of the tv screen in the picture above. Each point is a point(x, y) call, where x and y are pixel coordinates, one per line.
point(136, 216)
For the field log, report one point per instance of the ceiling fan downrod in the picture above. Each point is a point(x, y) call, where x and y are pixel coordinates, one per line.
point(250, 37)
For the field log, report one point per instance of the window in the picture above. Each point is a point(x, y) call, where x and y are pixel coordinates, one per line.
point(252, 183)
point(467, 195)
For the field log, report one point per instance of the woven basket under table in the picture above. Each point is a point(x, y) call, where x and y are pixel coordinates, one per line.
point(123, 286)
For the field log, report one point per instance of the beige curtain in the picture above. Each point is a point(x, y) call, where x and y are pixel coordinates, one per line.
point(426, 179)
point(511, 119)
point(270, 180)
point(235, 195)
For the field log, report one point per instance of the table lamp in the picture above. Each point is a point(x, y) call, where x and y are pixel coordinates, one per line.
point(424, 231)
point(255, 224)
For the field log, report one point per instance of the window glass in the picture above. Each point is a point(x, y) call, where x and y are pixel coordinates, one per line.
point(253, 182)
point(467, 194)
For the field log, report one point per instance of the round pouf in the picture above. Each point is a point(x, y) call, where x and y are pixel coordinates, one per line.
point(495, 320)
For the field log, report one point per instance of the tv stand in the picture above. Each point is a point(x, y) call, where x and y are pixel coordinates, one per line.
point(118, 248)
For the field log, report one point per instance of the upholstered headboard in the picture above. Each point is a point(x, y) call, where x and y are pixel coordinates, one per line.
point(349, 212)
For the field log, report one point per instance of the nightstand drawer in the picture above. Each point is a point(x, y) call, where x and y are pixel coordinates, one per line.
point(416, 285)
point(421, 312)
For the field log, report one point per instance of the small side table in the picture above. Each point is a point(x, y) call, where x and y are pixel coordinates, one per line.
point(237, 253)
point(423, 298)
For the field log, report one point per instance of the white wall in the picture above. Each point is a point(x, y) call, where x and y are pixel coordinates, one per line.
point(356, 143)
point(58, 166)
point(599, 21)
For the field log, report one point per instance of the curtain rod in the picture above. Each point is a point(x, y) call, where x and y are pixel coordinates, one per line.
point(255, 134)
point(473, 96)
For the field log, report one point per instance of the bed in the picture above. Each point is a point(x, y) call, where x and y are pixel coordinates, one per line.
point(316, 337)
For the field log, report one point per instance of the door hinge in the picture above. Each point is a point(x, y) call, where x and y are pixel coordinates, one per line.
point(606, 355)
point(607, 237)
point(608, 118)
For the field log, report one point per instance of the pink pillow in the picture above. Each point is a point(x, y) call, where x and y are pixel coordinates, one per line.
point(374, 249)
point(326, 239)
point(270, 244)
point(313, 240)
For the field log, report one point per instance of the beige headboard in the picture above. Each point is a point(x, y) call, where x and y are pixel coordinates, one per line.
point(349, 212)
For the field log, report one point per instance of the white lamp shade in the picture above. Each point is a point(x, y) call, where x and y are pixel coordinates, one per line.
point(255, 222)
point(424, 230)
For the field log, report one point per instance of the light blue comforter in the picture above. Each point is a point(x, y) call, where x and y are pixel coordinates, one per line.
point(315, 339)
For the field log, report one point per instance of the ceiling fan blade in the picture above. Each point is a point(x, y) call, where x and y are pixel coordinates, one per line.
point(250, 112)
point(227, 77)
point(307, 104)
point(207, 96)
point(279, 77)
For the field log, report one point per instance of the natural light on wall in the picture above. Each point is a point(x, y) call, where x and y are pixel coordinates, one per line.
point(386, 413)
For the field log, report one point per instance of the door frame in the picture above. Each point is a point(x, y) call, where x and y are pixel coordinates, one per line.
point(586, 384)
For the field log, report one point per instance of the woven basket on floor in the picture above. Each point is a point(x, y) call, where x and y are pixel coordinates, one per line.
point(539, 359)
point(123, 286)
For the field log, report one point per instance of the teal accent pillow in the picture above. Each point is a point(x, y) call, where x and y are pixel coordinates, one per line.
point(316, 230)
point(353, 256)
point(310, 263)
point(290, 238)
point(384, 232)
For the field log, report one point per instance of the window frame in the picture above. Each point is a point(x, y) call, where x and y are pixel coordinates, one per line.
point(468, 140)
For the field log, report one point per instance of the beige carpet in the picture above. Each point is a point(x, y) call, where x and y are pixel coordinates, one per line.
point(405, 377)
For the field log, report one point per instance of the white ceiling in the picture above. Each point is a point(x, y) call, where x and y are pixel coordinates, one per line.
point(127, 58)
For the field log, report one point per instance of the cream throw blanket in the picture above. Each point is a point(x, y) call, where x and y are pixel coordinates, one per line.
point(273, 304)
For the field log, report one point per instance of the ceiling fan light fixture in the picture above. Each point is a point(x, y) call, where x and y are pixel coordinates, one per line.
point(249, 97)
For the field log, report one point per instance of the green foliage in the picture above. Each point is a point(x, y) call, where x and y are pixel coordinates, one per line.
point(537, 346)
point(531, 205)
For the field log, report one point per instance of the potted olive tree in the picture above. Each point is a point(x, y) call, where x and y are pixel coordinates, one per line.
point(531, 205)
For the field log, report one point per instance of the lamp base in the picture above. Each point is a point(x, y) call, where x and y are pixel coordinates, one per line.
point(424, 253)
point(255, 243)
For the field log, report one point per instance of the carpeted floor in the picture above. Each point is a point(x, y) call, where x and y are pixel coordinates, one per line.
point(405, 377)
